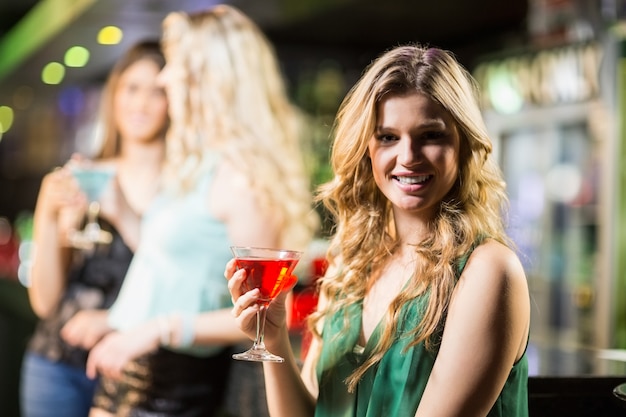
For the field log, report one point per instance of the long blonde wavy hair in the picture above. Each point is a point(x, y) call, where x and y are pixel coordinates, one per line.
point(232, 101)
point(364, 236)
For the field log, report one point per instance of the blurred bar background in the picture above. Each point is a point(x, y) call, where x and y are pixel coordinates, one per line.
point(552, 75)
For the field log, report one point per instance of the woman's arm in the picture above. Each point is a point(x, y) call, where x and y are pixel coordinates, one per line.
point(58, 210)
point(250, 224)
point(287, 393)
point(109, 356)
point(86, 328)
point(485, 333)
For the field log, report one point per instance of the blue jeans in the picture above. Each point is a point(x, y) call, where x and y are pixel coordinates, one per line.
point(49, 387)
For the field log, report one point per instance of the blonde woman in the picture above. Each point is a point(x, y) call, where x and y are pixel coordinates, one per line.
point(425, 309)
point(233, 176)
point(71, 289)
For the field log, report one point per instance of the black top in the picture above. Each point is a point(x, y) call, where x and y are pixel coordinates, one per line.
point(94, 281)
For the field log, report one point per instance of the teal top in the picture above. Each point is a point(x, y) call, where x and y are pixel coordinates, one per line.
point(179, 264)
point(393, 387)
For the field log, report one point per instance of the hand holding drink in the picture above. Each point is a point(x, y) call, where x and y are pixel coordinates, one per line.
point(269, 270)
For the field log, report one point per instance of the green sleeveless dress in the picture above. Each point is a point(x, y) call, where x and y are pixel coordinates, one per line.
point(395, 386)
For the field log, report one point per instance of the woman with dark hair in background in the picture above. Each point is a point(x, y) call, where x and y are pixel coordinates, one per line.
point(70, 289)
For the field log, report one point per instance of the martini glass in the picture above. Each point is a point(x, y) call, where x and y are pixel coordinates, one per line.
point(268, 270)
point(92, 181)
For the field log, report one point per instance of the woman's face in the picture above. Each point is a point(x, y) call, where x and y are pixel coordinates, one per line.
point(414, 153)
point(140, 105)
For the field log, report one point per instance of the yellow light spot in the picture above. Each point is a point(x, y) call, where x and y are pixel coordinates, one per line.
point(110, 35)
point(53, 73)
point(76, 56)
point(6, 118)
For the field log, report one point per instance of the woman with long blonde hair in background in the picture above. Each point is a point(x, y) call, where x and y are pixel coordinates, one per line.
point(234, 175)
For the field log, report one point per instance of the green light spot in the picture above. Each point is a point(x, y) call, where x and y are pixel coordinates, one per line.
point(504, 96)
point(6, 118)
point(53, 73)
point(43, 22)
point(76, 57)
point(110, 35)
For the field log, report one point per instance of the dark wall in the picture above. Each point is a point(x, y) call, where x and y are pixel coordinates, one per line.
point(16, 325)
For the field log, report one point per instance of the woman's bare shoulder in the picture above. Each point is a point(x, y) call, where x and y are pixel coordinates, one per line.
point(494, 265)
point(230, 186)
point(492, 295)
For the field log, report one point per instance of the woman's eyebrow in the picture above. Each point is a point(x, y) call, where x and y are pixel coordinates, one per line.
point(429, 124)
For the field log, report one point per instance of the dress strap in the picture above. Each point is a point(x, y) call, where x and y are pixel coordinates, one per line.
point(462, 261)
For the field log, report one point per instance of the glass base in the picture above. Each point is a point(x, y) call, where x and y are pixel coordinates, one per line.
point(258, 355)
point(87, 239)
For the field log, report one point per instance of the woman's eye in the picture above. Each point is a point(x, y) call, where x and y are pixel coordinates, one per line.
point(433, 135)
point(386, 138)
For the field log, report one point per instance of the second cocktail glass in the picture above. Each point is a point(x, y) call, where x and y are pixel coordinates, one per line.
point(92, 181)
point(268, 270)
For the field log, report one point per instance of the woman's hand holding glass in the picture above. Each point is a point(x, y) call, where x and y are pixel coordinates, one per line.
point(62, 202)
point(246, 305)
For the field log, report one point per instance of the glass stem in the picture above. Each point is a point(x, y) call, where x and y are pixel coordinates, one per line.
point(92, 212)
point(259, 342)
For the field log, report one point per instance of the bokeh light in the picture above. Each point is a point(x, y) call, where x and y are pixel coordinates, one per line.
point(110, 35)
point(6, 118)
point(53, 73)
point(6, 231)
point(76, 57)
point(504, 96)
point(71, 101)
point(564, 182)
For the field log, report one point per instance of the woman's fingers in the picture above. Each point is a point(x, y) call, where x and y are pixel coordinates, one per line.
point(235, 282)
point(245, 311)
point(91, 369)
point(106, 358)
point(230, 269)
point(245, 301)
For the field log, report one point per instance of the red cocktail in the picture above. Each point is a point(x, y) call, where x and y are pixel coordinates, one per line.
point(269, 270)
point(268, 275)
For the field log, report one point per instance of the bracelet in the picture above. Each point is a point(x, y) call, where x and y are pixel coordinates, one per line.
point(164, 331)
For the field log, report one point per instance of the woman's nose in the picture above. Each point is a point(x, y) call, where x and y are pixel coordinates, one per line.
point(409, 152)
